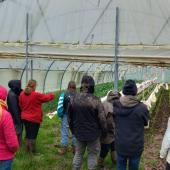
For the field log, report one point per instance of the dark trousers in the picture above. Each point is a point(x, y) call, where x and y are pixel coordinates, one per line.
point(167, 166)
point(31, 129)
point(133, 162)
point(105, 149)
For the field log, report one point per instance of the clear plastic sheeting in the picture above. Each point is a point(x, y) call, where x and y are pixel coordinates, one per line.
point(67, 40)
point(141, 22)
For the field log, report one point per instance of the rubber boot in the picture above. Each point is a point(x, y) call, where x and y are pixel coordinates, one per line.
point(63, 150)
point(100, 162)
point(113, 157)
point(27, 144)
point(33, 146)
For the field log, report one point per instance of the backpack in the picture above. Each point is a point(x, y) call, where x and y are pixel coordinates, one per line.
point(60, 107)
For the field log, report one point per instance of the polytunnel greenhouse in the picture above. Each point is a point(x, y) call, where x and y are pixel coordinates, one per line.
point(56, 41)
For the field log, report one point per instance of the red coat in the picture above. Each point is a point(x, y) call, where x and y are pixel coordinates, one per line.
point(31, 105)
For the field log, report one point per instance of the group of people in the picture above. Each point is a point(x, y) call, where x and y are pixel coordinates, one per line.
point(22, 107)
point(114, 123)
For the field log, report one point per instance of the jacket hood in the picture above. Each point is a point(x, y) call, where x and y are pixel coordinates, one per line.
point(3, 93)
point(127, 105)
point(15, 86)
point(111, 95)
point(129, 101)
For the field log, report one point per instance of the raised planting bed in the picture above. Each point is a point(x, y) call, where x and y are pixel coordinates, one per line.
point(154, 135)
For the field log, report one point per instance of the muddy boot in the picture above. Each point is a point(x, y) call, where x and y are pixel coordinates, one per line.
point(113, 157)
point(33, 146)
point(100, 163)
point(27, 144)
point(63, 150)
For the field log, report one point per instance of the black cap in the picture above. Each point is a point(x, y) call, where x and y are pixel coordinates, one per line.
point(130, 88)
point(88, 80)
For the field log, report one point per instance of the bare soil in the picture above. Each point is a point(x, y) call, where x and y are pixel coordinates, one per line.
point(154, 135)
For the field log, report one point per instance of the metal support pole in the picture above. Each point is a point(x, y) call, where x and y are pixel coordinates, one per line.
point(31, 69)
point(116, 78)
point(163, 75)
point(26, 52)
point(49, 67)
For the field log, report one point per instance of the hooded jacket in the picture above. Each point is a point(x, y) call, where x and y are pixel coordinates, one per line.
point(8, 139)
point(165, 148)
point(107, 102)
point(131, 116)
point(13, 103)
point(86, 117)
point(86, 113)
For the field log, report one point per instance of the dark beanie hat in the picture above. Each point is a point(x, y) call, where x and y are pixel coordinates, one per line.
point(130, 88)
point(88, 81)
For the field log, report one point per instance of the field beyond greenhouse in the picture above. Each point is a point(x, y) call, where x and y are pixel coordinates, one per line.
point(48, 157)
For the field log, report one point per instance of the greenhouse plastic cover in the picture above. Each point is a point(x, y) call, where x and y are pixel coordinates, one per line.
point(86, 21)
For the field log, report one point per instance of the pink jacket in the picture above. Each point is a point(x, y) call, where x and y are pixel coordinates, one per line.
point(8, 139)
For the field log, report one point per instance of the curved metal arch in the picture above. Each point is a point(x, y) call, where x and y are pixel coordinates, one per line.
point(64, 73)
point(24, 70)
point(89, 68)
point(103, 69)
point(78, 70)
point(47, 74)
point(99, 72)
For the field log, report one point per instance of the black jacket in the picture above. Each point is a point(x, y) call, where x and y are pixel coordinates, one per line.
point(86, 117)
point(130, 120)
point(67, 97)
point(13, 103)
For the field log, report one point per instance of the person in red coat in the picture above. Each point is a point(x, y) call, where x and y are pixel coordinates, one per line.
point(30, 103)
point(8, 138)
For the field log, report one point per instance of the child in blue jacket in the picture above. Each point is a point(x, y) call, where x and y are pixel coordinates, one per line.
point(62, 112)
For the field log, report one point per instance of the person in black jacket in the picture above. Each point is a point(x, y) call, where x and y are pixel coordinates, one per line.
point(131, 116)
point(87, 122)
point(13, 105)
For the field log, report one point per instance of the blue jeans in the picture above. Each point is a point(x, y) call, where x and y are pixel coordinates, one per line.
point(133, 162)
point(65, 132)
point(6, 164)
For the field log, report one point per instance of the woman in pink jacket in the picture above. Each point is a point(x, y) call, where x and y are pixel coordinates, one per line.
point(8, 138)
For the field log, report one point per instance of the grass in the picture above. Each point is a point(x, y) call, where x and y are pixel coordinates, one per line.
point(49, 135)
point(100, 90)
